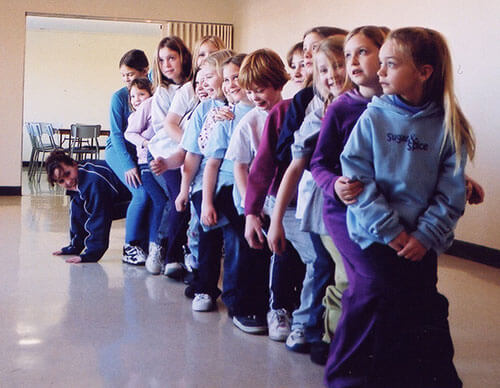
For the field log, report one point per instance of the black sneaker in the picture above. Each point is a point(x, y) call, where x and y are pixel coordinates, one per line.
point(189, 292)
point(319, 352)
point(252, 324)
point(133, 255)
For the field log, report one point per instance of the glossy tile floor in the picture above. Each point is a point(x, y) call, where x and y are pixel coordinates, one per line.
point(112, 325)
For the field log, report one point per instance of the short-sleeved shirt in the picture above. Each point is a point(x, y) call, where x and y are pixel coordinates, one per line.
point(246, 137)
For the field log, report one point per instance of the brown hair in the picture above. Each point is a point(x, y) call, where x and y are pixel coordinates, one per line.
point(176, 44)
point(142, 84)
point(135, 59)
point(263, 68)
point(296, 48)
point(54, 161)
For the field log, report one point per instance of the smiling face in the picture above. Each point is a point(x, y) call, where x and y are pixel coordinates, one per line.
point(362, 63)
point(212, 81)
point(137, 96)
point(66, 176)
point(310, 45)
point(264, 97)
point(230, 84)
point(170, 64)
point(331, 76)
point(198, 86)
point(399, 75)
point(128, 74)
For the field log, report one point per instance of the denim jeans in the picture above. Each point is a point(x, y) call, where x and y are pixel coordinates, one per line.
point(245, 285)
point(173, 224)
point(136, 230)
point(158, 200)
point(323, 276)
point(303, 244)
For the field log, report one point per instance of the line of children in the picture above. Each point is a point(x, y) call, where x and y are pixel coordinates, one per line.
point(391, 174)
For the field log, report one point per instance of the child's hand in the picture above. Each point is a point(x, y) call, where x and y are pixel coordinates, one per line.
point(475, 193)
point(181, 201)
point(413, 250)
point(74, 260)
point(132, 177)
point(400, 241)
point(159, 165)
point(223, 113)
point(253, 231)
point(276, 237)
point(208, 213)
point(57, 253)
point(348, 190)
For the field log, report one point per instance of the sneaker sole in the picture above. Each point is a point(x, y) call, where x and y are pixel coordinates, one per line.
point(298, 348)
point(278, 337)
point(137, 264)
point(176, 274)
point(249, 330)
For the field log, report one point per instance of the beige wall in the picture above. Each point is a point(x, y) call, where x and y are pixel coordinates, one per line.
point(78, 75)
point(471, 28)
point(473, 33)
point(13, 33)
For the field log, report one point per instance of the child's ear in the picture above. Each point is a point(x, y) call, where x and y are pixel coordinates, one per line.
point(425, 72)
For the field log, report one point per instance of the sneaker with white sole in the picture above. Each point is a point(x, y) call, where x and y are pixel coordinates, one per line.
point(252, 324)
point(278, 323)
point(133, 255)
point(153, 262)
point(296, 341)
point(174, 270)
point(202, 302)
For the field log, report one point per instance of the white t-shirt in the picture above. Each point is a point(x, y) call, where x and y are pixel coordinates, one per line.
point(246, 137)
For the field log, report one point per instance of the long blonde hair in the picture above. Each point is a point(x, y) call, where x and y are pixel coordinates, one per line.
point(428, 47)
point(333, 48)
point(213, 39)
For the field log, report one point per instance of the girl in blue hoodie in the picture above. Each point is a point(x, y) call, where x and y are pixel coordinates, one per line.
point(409, 149)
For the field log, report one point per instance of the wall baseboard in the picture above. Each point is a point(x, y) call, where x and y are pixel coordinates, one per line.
point(10, 190)
point(476, 253)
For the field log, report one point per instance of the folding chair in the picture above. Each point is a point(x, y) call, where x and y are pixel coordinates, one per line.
point(83, 143)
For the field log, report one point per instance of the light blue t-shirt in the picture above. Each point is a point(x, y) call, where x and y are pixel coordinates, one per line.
point(190, 138)
point(217, 147)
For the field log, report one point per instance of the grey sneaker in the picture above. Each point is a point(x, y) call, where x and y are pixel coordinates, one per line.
point(153, 262)
point(278, 323)
point(133, 255)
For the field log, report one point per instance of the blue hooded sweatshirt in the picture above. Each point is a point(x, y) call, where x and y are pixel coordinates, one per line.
point(410, 179)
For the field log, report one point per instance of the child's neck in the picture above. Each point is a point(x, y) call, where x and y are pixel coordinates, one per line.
point(370, 91)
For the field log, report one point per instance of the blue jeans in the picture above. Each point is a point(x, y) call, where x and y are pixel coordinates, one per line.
point(173, 224)
point(158, 200)
point(245, 287)
point(302, 243)
point(136, 231)
point(324, 270)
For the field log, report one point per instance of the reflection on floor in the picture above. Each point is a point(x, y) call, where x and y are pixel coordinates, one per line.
point(109, 324)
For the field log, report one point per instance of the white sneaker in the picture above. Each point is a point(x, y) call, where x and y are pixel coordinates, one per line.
point(133, 255)
point(296, 341)
point(202, 302)
point(174, 270)
point(153, 262)
point(278, 324)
